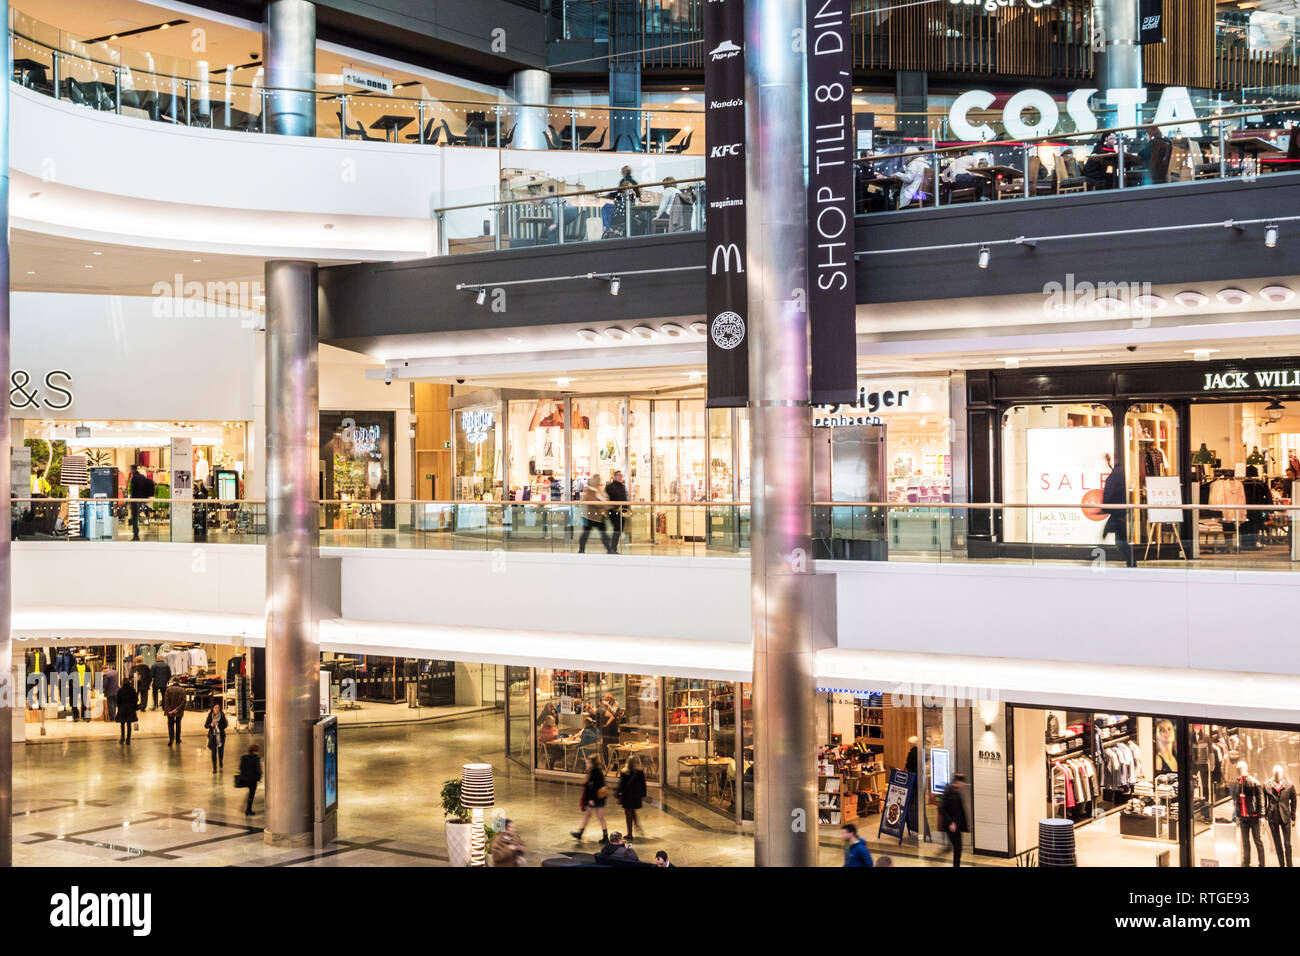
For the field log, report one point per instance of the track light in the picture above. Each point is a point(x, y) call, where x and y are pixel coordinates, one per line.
point(1274, 411)
point(481, 297)
point(388, 377)
point(984, 257)
point(1270, 235)
point(614, 285)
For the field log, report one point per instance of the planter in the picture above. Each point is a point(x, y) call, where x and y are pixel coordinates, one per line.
point(458, 842)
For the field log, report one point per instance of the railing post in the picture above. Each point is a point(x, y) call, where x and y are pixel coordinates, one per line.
point(1223, 151)
point(1119, 160)
point(497, 119)
point(627, 214)
point(1025, 161)
point(261, 119)
point(935, 163)
point(559, 220)
point(420, 120)
point(573, 129)
point(343, 117)
point(189, 108)
point(496, 226)
point(54, 72)
point(117, 90)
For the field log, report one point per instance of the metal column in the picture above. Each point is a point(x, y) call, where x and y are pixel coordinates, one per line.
point(531, 89)
point(289, 51)
point(785, 781)
point(1119, 64)
point(9, 694)
point(292, 543)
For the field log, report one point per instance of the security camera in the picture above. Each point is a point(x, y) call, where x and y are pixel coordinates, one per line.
point(1132, 348)
point(388, 377)
point(460, 381)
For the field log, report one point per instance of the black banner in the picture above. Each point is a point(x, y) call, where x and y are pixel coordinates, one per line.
point(832, 292)
point(1151, 21)
point(724, 181)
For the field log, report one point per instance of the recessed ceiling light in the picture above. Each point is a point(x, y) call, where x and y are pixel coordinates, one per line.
point(1276, 293)
point(564, 382)
point(1111, 305)
point(1191, 300)
point(329, 225)
point(514, 339)
point(1233, 296)
point(1150, 302)
point(695, 376)
point(617, 334)
point(672, 330)
point(645, 332)
point(699, 328)
point(31, 272)
point(196, 260)
point(96, 253)
point(89, 266)
point(1011, 362)
point(589, 335)
point(1200, 355)
point(686, 89)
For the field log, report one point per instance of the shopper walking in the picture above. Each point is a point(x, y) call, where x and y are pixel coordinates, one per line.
point(507, 849)
point(174, 708)
point(250, 772)
point(856, 852)
point(141, 678)
point(139, 486)
point(215, 725)
point(631, 793)
point(594, 795)
point(110, 685)
point(127, 700)
point(593, 514)
point(952, 814)
point(159, 677)
point(616, 491)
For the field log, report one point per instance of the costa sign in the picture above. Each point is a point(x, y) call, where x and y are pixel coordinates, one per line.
point(1174, 112)
point(991, 5)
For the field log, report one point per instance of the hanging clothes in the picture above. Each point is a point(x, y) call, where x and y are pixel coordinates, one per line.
point(1229, 491)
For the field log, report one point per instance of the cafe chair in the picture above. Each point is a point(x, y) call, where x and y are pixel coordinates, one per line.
point(594, 145)
point(452, 139)
point(359, 132)
point(682, 145)
point(553, 139)
point(431, 133)
point(508, 137)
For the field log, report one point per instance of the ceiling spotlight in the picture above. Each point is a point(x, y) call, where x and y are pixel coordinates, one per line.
point(1149, 302)
point(984, 257)
point(388, 376)
point(1270, 235)
point(1274, 411)
point(699, 328)
point(614, 285)
point(1011, 362)
point(589, 335)
point(1276, 293)
point(617, 334)
point(672, 330)
point(1111, 305)
point(481, 297)
point(1200, 355)
point(1191, 300)
point(564, 382)
point(645, 332)
point(100, 254)
point(1233, 296)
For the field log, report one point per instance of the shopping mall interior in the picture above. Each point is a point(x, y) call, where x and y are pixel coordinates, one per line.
point(447, 410)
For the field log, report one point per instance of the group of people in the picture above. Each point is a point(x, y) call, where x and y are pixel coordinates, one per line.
point(598, 735)
point(602, 506)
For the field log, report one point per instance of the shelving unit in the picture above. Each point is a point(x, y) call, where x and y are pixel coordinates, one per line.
point(832, 809)
point(687, 715)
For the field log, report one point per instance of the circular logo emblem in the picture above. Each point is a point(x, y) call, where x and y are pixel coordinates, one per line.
point(727, 330)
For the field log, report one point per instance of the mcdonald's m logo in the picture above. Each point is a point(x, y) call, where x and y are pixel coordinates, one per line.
point(726, 252)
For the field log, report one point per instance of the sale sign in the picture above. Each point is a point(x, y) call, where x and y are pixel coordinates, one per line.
point(1067, 471)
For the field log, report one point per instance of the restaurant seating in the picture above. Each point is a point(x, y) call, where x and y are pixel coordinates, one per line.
point(431, 133)
point(359, 132)
point(453, 139)
point(599, 142)
point(681, 146)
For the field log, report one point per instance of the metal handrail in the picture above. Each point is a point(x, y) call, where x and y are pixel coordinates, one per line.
point(535, 200)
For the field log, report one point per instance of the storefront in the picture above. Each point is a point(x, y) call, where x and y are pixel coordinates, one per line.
point(692, 736)
point(1192, 433)
point(525, 446)
point(356, 469)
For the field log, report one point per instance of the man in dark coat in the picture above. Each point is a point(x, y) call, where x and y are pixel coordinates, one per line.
point(126, 713)
point(1115, 492)
point(952, 815)
point(138, 486)
point(140, 679)
point(616, 491)
point(160, 674)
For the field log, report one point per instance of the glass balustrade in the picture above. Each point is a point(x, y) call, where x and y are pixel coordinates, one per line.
point(1103, 537)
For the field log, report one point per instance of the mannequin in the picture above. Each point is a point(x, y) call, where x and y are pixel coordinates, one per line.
point(1247, 808)
point(1279, 800)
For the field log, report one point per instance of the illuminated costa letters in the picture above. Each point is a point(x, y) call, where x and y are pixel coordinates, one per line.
point(1175, 114)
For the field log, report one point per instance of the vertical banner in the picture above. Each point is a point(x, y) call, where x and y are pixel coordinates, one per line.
point(724, 190)
point(1151, 21)
point(182, 489)
point(832, 293)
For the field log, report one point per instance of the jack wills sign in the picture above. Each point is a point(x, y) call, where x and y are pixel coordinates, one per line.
point(1278, 379)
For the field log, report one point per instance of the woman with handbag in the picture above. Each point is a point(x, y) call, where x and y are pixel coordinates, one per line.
point(216, 728)
point(631, 792)
point(594, 795)
point(127, 701)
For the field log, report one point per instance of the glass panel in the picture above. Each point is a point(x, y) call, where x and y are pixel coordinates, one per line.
point(1151, 458)
point(639, 470)
point(478, 474)
point(701, 747)
point(1225, 828)
point(536, 444)
point(584, 714)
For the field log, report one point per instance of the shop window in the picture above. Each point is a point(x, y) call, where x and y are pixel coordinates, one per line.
point(478, 438)
point(701, 748)
point(584, 714)
point(357, 468)
point(1056, 455)
point(599, 439)
point(537, 454)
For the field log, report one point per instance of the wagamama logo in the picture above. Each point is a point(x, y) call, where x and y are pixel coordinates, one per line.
point(105, 910)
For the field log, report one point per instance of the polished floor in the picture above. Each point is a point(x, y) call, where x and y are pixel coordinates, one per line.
point(97, 803)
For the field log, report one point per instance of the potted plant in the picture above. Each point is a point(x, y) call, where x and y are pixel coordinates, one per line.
point(456, 824)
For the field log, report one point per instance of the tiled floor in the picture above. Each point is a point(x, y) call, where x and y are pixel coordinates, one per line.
point(96, 803)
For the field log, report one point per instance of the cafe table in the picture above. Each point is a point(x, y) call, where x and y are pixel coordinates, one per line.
point(391, 125)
